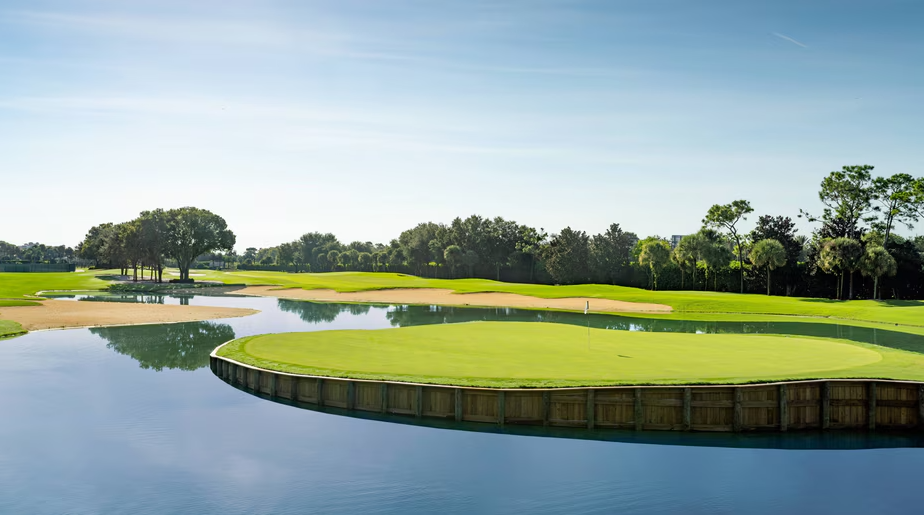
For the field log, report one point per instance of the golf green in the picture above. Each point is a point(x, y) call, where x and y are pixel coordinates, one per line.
point(529, 354)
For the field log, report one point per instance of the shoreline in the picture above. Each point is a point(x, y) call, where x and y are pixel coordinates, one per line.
point(443, 297)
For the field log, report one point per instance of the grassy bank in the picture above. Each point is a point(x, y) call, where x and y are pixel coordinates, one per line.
point(523, 354)
point(9, 329)
point(18, 285)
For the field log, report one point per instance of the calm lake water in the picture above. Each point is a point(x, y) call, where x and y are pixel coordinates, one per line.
point(131, 420)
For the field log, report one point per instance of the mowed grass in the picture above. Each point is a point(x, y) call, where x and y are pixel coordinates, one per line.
point(909, 312)
point(530, 354)
point(9, 328)
point(15, 285)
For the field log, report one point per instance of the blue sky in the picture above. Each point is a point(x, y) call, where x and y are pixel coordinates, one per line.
point(365, 117)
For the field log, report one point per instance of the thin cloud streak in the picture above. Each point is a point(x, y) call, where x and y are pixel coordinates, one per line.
point(787, 38)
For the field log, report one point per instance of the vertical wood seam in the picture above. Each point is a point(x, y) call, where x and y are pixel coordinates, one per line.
point(384, 393)
point(501, 407)
point(737, 425)
point(638, 409)
point(459, 405)
point(320, 392)
point(784, 407)
point(687, 409)
point(546, 407)
point(591, 408)
point(825, 405)
point(871, 394)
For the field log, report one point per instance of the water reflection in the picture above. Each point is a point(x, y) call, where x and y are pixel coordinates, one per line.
point(184, 346)
point(318, 313)
point(795, 440)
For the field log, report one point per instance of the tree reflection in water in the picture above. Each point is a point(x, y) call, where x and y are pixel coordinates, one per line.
point(320, 312)
point(184, 346)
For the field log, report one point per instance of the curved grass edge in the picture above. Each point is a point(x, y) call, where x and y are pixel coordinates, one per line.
point(10, 329)
point(232, 351)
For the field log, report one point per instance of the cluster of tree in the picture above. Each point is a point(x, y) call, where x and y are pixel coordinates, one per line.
point(35, 253)
point(181, 235)
point(856, 237)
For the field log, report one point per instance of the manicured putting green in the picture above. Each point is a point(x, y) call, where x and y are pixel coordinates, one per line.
point(519, 354)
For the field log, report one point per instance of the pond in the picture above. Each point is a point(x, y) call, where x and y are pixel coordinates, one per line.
point(130, 419)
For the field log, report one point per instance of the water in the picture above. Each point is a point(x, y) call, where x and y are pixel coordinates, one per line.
point(131, 420)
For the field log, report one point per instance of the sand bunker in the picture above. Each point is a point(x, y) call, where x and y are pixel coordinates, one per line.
point(60, 314)
point(448, 298)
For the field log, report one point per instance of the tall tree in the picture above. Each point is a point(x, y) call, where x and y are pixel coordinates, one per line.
point(286, 255)
point(783, 230)
point(684, 257)
point(192, 232)
point(611, 252)
point(876, 263)
point(770, 254)
point(567, 256)
point(727, 216)
point(453, 258)
point(896, 201)
point(847, 195)
point(655, 255)
point(850, 253)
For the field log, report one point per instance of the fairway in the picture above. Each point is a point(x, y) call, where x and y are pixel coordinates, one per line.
point(524, 354)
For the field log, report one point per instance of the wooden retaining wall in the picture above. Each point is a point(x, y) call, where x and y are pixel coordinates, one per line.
point(798, 405)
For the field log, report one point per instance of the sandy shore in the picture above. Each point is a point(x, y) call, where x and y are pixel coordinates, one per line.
point(60, 314)
point(448, 298)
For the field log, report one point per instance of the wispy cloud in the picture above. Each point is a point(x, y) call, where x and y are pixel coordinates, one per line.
point(787, 38)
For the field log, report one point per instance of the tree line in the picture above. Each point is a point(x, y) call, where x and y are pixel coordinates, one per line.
point(35, 253)
point(854, 250)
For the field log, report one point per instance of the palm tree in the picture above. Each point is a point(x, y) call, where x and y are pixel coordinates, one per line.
point(769, 253)
point(876, 263)
point(683, 257)
point(655, 255)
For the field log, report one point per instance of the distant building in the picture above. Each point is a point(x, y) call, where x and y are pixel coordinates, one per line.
point(675, 240)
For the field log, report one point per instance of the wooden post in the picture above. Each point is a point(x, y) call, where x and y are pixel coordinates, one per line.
point(784, 407)
point(737, 416)
point(591, 408)
point(272, 385)
point(320, 392)
point(293, 389)
point(418, 407)
point(501, 407)
point(921, 406)
point(638, 409)
point(871, 402)
point(825, 405)
point(384, 391)
point(351, 395)
point(232, 374)
point(458, 405)
point(687, 409)
point(547, 408)
point(256, 381)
